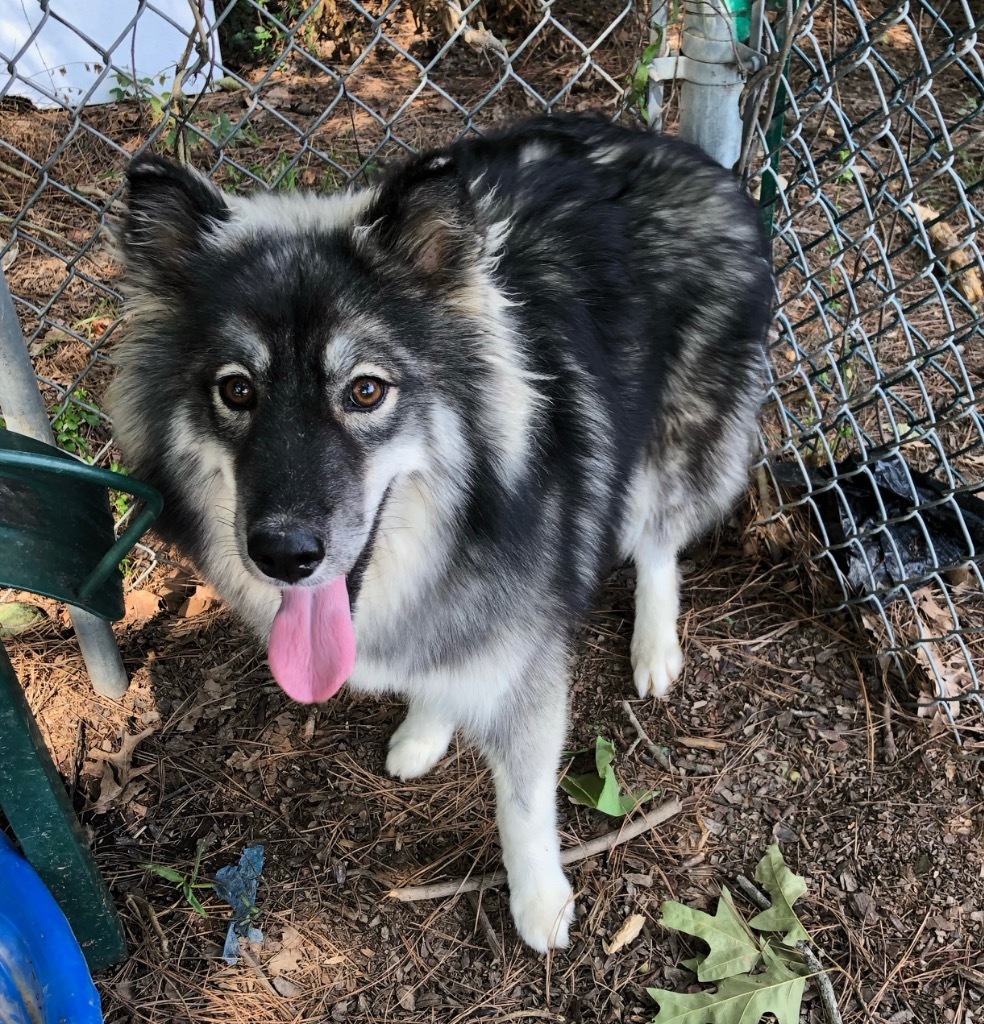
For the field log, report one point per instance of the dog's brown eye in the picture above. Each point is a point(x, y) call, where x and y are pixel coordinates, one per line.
point(237, 392)
point(367, 392)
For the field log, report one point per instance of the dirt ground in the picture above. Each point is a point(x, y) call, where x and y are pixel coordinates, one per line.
point(780, 730)
point(784, 728)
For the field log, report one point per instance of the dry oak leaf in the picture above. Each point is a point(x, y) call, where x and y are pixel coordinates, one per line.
point(930, 609)
point(288, 959)
point(734, 949)
point(141, 606)
point(628, 932)
point(947, 246)
point(481, 39)
point(117, 768)
point(741, 1000)
point(200, 601)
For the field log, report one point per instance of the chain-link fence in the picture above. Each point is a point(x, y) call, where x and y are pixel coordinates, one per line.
point(875, 419)
point(863, 140)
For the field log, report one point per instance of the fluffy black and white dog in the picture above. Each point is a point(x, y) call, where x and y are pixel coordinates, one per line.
point(407, 430)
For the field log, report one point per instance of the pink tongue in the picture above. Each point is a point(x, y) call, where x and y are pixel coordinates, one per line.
point(312, 645)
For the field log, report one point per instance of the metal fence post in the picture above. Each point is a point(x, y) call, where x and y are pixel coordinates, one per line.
point(712, 65)
point(709, 114)
point(24, 412)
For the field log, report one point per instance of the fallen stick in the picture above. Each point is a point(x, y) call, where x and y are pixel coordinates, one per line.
point(439, 890)
point(486, 925)
point(659, 755)
point(265, 982)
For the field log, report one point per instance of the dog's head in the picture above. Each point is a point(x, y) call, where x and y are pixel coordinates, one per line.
point(290, 357)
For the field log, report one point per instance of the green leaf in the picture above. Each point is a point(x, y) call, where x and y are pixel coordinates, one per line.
point(196, 903)
point(169, 873)
point(604, 756)
point(601, 794)
point(640, 78)
point(602, 790)
point(789, 955)
point(734, 950)
point(18, 616)
point(784, 889)
point(741, 1000)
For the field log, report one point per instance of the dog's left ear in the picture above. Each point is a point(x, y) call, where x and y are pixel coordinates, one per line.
point(422, 223)
point(171, 209)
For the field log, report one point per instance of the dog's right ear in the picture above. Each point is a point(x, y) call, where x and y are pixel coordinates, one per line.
point(171, 210)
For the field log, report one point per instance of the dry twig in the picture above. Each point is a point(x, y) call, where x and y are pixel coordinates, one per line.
point(439, 890)
point(26, 225)
point(264, 981)
point(659, 755)
point(16, 173)
point(137, 903)
point(976, 978)
point(891, 751)
point(197, 43)
point(486, 925)
point(763, 97)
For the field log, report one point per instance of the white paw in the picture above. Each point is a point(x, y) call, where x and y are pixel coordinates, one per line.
point(543, 915)
point(416, 747)
point(656, 663)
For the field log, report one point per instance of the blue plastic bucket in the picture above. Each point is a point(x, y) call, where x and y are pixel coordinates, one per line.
point(43, 974)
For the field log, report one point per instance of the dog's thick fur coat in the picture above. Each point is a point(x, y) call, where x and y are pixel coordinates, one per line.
point(560, 329)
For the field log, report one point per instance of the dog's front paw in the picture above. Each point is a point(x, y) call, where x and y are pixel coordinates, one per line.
point(657, 661)
point(543, 914)
point(416, 747)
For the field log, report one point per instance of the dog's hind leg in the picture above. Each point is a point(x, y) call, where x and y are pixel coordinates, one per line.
point(420, 741)
point(656, 655)
point(523, 746)
point(653, 531)
point(670, 503)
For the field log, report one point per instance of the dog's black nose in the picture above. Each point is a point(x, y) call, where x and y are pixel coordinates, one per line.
point(289, 555)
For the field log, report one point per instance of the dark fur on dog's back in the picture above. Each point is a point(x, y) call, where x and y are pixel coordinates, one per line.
point(567, 319)
point(627, 278)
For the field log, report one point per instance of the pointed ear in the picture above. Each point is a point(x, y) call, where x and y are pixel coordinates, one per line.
point(171, 209)
point(421, 225)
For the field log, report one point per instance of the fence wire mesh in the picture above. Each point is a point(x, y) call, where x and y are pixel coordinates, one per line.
point(874, 429)
point(864, 142)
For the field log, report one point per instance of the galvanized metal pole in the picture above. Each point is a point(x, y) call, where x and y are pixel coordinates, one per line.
point(709, 114)
point(712, 65)
point(24, 412)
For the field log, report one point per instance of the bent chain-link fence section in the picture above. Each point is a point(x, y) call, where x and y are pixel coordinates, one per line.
point(864, 142)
